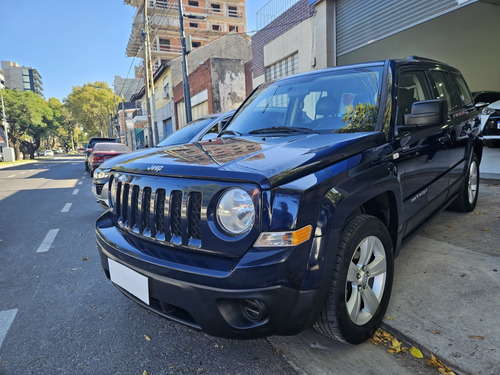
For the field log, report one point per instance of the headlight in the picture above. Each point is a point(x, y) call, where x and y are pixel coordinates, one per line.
point(487, 111)
point(100, 174)
point(236, 212)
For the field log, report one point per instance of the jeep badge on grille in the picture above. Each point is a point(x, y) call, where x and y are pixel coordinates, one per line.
point(155, 168)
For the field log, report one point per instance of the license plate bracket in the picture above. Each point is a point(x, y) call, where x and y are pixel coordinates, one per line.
point(130, 280)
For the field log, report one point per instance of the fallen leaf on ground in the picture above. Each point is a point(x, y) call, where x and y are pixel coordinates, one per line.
point(442, 369)
point(416, 352)
point(147, 337)
point(476, 337)
point(86, 258)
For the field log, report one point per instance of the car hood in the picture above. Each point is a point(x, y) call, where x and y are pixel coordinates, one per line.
point(268, 161)
point(494, 105)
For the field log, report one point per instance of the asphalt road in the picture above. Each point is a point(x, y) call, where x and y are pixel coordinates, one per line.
point(60, 315)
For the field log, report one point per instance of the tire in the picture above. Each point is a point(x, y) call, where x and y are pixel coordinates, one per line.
point(490, 143)
point(361, 283)
point(467, 196)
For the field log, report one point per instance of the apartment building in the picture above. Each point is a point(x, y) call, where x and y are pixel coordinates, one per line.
point(203, 21)
point(21, 78)
point(315, 34)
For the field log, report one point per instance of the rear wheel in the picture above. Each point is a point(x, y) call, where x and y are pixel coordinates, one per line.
point(467, 197)
point(361, 283)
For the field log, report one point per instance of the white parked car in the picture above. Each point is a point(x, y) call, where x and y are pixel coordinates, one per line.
point(490, 124)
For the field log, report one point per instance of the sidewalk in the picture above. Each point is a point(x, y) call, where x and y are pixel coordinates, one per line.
point(446, 292)
point(490, 164)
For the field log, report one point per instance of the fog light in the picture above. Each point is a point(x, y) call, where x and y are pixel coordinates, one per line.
point(254, 310)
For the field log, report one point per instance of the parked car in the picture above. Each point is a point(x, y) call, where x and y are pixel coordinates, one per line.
point(205, 127)
point(90, 146)
point(490, 124)
point(103, 151)
point(295, 220)
point(46, 153)
point(484, 98)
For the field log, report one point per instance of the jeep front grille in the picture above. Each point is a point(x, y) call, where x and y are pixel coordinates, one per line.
point(157, 213)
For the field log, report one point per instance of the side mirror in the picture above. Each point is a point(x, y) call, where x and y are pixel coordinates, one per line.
point(480, 105)
point(427, 113)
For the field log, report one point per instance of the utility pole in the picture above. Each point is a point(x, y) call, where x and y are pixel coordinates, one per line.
point(185, 80)
point(145, 36)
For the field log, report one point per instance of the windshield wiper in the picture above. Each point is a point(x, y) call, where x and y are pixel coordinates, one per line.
point(282, 129)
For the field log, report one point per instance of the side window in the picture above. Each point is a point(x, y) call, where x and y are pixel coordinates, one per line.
point(412, 87)
point(444, 90)
point(463, 90)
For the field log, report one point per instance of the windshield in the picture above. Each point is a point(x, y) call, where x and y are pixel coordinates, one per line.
point(187, 133)
point(342, 101)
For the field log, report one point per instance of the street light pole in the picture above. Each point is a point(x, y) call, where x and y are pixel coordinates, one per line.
point(185, 80)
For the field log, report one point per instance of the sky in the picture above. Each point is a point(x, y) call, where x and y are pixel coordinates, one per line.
point(73, 42)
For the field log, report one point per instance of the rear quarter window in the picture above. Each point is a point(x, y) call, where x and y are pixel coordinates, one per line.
point(462, 88)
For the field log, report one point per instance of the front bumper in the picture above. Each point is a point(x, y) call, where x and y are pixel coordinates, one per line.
point(237, 302)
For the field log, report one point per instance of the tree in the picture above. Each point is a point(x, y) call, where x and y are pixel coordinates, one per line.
point(63, 124)
point(92, 105)
point(27, 115)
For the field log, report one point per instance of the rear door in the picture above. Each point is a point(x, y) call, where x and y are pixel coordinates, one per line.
point(465, 122)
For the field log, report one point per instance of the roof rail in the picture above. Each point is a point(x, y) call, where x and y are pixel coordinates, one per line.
point(414, 57)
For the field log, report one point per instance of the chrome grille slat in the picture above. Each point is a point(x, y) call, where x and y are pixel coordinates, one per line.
point(159, 214)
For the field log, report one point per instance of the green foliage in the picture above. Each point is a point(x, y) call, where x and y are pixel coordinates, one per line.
point(361, 118)
point(91, 106)
point(28, 115)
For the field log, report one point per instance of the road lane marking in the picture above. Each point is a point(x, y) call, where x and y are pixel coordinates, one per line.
point(80, 182)
point(6, 319)
point(66, 207)
point(75, 192)
point(47, 242)
point(13, 175)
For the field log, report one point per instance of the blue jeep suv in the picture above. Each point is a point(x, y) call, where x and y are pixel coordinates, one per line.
point(292, 217)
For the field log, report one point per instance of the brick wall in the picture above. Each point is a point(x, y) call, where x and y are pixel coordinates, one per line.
point(292, 17)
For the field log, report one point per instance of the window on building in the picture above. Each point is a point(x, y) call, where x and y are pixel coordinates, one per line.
point(194, 24)
point(216, 28)
point(233, 11)
point(193, 3)
point(164, 44)
point(233, 28)
point(161, 4)
point(288, 66)
point(215, 8)
point(166, 88)
point(196, 44)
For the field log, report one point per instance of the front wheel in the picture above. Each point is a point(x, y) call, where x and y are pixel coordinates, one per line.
point(361, 284)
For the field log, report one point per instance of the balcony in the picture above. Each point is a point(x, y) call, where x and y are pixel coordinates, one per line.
point(138, 118)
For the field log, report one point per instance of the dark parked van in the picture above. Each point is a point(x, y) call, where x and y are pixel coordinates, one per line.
point(293, 216)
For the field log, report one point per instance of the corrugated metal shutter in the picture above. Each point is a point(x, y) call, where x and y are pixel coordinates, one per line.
point(360, 22)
